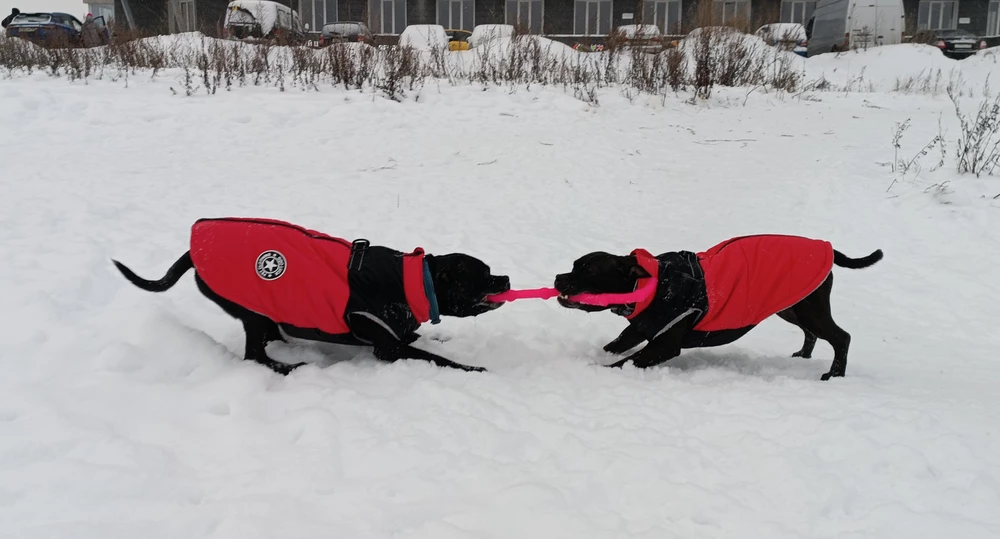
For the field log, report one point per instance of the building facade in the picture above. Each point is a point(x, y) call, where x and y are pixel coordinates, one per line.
point(598, 17)
point(550, 17)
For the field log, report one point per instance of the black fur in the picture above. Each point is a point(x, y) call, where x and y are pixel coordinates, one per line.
point(461, 282)
point(602, 273)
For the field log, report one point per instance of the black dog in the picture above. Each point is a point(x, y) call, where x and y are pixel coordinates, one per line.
point(709, 299)
point(271, 274)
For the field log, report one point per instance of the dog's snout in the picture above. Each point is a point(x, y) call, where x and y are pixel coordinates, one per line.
point(560, 281)
point(501, 283)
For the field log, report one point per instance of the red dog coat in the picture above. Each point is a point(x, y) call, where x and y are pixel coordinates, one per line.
point(300, 277)
point(735, 285)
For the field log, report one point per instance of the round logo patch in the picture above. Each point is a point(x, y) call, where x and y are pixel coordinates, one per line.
point(270, 265)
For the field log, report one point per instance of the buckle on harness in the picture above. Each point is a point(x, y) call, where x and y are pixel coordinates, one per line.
point(358, 248)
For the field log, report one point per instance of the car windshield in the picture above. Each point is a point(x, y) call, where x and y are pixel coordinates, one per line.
point(32, 18)
point(241, 16)
point(342, 29)
point(955, 33)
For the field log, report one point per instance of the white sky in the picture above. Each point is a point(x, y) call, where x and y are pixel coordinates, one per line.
point(73, 7)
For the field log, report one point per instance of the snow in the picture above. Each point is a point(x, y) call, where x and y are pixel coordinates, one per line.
point(881, 68)
point(484, 33)
point(262, 12)
point(630, 31)
point(781, 31)
point(424, 37)
point(130, 414)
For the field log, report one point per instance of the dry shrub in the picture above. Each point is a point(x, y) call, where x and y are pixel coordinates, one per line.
point(979, 141)
point(677, 66)
point(400, 70)
point(714, 57)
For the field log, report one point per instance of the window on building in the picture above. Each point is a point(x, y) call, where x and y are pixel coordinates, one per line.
point(185, 16)
point(797, 11)
point(388, 16)
point(665, 14)
point(526, 14)
point(993, 19)
point(937, 15)
point(317, 13)
point(592, 17)
point(456, 14)
point(732, 11)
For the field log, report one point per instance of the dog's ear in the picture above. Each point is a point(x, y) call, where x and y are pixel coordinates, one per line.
point(635, 271)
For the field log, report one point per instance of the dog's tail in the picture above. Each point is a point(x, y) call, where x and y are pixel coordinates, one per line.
point(173, 275)
point(845, 261)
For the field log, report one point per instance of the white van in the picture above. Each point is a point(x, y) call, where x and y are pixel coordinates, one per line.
point(842, 25)
point(261, 19)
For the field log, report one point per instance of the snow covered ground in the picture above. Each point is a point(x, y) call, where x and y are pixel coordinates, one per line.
point(126, 414)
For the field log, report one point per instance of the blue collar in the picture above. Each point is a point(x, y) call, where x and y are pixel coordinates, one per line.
point(431, 296)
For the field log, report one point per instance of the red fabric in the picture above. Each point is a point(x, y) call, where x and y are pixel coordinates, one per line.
point(651, 265)
point(312, 292)
point(751, 278)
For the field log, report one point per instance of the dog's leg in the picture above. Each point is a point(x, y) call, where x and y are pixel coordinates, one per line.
point(257, 333)
point(273, 333)
point(392, 353)
point(788, 315)
point(259, 330)
point(629, 338)
point(813, 314)
point(665, 346)
point(658, 351)
point(389, 348)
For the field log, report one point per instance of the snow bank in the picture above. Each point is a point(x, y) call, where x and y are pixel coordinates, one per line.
point(884, 68)
point(781, 31)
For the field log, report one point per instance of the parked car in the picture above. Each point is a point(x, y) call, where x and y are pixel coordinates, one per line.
point(458, 40)
point(261, 19)
point(785, 36)
point(424, 37)
point(56, 30)
point(955, 44)
point(346, 32)
point(842, 25)
point(643, 37)
point(485, 34)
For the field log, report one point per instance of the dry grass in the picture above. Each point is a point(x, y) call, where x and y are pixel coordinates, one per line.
point(715, 58)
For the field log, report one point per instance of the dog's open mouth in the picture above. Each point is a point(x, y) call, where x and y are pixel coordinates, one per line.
point(565, 301)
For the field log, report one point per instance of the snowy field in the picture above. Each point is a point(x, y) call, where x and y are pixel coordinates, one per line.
point(126, 414)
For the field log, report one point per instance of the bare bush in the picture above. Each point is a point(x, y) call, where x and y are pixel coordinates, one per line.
point(715, 58)
point(979, 140)
point(400, 70)
point(677, 65)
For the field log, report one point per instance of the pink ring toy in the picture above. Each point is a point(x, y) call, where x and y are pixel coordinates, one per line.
point(602, 300)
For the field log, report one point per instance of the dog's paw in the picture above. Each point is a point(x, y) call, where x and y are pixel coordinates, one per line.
point(801, 355)
point(284, 370)
point(829, 375)
point(614, 348)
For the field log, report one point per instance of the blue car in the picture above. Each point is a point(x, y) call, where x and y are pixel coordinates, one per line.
point(57, 30)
